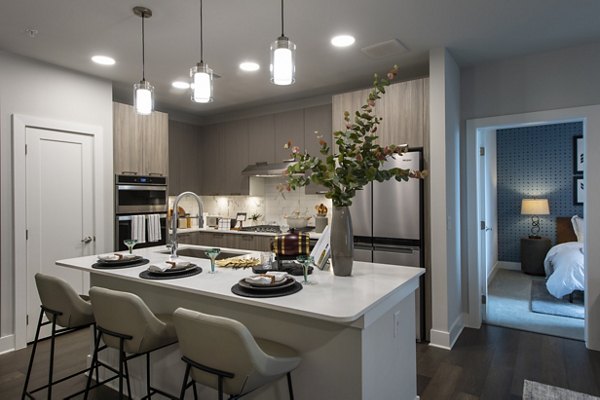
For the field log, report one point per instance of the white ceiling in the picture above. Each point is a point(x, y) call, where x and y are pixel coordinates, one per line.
point(475, 31)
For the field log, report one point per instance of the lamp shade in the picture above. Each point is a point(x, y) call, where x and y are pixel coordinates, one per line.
point(535, 207)
point(143, 97)
point(202, 83)
point(283, 63)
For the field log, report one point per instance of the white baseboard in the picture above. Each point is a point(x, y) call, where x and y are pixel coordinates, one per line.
point(7, 344)
point(445, 340)
point(513, 266)
point(493, 273)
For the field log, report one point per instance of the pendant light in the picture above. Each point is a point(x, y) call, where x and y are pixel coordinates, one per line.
point(201, 75)
point(143, 92)
point(283, 58)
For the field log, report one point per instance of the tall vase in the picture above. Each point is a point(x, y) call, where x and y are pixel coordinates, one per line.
point(341, 241)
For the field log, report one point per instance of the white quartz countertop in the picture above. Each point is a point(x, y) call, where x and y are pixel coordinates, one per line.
point(332, 298)
point(313, 235)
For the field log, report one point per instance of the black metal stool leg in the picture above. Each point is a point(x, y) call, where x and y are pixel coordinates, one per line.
point(127, 375)
point(51, 370)
point(120, 368)
point(94, 362)
point(96, 333)
point(35, 343)
point(148, 375)
point(194, 388)
point(290, 389)
point(220, 387)
point(185, 382)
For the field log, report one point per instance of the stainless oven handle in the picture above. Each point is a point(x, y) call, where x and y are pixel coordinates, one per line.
point(129, 217)
point(141, 187)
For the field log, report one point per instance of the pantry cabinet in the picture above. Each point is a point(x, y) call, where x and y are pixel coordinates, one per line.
point(141, 142)
point(184, 158)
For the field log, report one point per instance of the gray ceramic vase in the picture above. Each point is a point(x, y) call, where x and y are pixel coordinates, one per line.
point(342, 241)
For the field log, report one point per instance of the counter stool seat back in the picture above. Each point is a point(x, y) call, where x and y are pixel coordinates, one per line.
point(57, 295)
point(227, 345)
point(127, 314)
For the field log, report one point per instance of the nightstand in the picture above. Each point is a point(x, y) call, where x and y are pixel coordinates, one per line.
point(533, 252)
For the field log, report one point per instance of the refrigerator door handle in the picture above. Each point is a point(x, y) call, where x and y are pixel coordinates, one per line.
point(394, 248)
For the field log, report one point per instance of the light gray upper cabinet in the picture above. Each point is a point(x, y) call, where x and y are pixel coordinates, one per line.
point(235, 149)
point(289, 126)
point(404, 109)
point(184, 158)
point(261, 143)
point(317, 122)
point(212, 160)
point(141, 143)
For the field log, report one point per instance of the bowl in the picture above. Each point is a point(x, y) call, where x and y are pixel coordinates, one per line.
point(297, 222)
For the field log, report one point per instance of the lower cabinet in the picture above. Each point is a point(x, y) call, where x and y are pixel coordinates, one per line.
point(230, 240)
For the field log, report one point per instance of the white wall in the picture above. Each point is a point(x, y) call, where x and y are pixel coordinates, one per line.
point(447, 321)
point(36, 89)
point(552, 80)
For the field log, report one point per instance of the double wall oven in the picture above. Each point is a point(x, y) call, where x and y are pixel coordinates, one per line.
point(139, 196)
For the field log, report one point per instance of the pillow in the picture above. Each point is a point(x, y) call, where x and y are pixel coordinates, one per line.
point(578, 227)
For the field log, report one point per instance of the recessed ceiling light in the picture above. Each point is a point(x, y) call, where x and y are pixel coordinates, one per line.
point(342, 40)
point(180, 85)
point(249, 66)
point(103, 60)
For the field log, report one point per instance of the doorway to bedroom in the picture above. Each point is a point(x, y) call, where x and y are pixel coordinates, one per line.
point(532, 259)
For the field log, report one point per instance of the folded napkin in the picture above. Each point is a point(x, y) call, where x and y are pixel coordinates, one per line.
point(116, 257)
point(267, 279)
point(168, 265)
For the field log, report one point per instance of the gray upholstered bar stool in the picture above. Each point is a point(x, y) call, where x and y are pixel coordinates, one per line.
point(126, 323)
point(221, 353)
point(63, 307)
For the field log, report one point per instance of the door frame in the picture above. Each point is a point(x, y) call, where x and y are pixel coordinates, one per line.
point(588, 115)
point(20, 123)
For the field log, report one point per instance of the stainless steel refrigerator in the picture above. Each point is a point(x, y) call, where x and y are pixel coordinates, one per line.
point(387, 222)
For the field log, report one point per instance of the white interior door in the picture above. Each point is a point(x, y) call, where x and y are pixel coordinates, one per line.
point(60, 209)
point(483, 232)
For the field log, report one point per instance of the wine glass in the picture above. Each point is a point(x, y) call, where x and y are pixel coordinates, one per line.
point(212, 254)
point(130, 243)
point(306, 262)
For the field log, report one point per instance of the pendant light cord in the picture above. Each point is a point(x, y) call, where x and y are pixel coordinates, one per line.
point(143, 49)
point(201, 36)
point(282, 18)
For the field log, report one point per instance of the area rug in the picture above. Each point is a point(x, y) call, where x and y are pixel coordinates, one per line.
point(539, 391)
point(543, 302)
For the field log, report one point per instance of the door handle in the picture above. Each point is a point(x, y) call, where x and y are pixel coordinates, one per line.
point(86, 240)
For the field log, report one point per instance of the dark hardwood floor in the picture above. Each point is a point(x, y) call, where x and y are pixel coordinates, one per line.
point(490, 363)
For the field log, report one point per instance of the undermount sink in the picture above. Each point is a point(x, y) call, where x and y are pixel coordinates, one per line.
point(199, 253)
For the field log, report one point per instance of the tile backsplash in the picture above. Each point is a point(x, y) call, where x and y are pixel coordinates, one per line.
point(272, 206)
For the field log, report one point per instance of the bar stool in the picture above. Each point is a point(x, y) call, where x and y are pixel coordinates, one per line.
point(126, 323)
point(221, 353)
point(63, 307)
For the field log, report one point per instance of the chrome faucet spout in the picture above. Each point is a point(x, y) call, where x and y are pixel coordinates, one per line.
point(175, 217)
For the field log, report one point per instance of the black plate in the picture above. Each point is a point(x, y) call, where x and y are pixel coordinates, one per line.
point(240, 291)
point(136, 263)
point(288, 282)
point(174, 271)
point(120, 262)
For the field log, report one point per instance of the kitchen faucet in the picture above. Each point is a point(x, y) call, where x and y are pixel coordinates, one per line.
point(175, 217)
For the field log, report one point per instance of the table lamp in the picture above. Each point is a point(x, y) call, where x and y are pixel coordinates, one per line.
point(535, 207)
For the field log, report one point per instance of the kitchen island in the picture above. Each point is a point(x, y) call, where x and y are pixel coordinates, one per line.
point(355, 334)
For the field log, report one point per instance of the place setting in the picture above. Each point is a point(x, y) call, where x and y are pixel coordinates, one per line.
point(120, 260)
point(270, 284)
point(170, 269)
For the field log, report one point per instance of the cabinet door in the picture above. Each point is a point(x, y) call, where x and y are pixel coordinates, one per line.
point(261, 139)
point(155, 139)
point(235, 148)
point(403, 116)
point(127, 141)
point(212, 162)
point(317, 122)
point(184, 158)
point(350, 102)
point(289, 126)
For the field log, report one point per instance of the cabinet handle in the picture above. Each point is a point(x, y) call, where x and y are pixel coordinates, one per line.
point(128, 173)
point(155, 174)
point(321, 192)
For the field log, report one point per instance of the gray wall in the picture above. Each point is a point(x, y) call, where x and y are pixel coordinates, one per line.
point(552, 80)
point(35, 89)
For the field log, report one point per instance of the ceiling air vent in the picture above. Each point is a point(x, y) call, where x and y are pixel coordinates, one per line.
point(383, 49)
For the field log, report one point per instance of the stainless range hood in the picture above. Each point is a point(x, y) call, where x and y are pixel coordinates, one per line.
point(267, 170)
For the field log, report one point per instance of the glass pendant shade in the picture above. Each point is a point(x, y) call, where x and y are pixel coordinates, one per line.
point(143, 97)
point(283, 61)
point(202, 83)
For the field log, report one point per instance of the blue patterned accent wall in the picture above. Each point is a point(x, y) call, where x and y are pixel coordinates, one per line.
point(534, 161)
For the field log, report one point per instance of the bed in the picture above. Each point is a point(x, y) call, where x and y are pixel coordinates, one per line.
point(564, 262)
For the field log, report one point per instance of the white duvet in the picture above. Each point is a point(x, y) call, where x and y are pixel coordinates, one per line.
point(564, 268)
